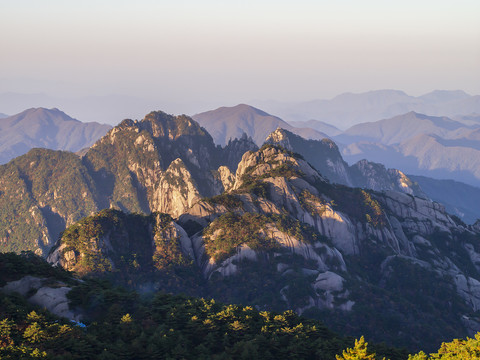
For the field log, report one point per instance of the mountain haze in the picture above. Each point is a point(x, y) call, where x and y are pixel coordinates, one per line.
point(321, 126)
point(437, 147)
point(346, 110)
point(400, 128)
point(45, 128)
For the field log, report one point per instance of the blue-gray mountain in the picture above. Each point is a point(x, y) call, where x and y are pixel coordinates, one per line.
point(418, 144)
point(45, 128)
point(349, 109)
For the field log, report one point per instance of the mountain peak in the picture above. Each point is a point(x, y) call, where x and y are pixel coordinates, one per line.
point(41, 113)
point(161, 124)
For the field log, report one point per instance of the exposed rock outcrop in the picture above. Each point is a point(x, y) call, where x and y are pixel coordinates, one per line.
point(52, 297)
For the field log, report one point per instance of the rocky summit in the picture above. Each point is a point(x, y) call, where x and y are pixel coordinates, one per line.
point(269, 228)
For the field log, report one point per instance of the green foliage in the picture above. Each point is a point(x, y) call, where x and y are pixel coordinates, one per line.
point(254, 186)
point(119, 246)
point(230, 201)
point(168, 252)
point(121, 324)
point(359, 352)
point(286, 170)
point(310, 203)
point(356, 203)
point(14, 267)
point(458, 349)
point(281, 149)
point(230, 231)
point(87, 238)
point(55, 178)
point(29, 334)
point(298, 229)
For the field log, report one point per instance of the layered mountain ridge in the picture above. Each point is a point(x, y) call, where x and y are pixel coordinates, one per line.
point(348, 109)
point(285, 237)
point(161, 163)
point(418, 144)
point(268, 227)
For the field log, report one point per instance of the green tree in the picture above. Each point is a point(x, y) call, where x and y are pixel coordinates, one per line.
point(359, 352)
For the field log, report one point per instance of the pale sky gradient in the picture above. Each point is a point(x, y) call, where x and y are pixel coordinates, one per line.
point(226, 52)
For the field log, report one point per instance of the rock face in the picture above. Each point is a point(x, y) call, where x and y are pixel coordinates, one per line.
point(177, 191)
point(52, 297)
point(120, 240)
point(161, 163)
point(354, 228)
point(282, 236)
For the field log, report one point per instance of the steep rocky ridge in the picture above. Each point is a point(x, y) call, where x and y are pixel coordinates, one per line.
point(161, 163)
point(40, 194)
point(325, 156)
point(338, 242)
point(285, 237)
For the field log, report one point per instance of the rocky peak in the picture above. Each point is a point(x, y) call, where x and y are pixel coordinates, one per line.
point(176, 191)
point(279, 137)
point(275, 160)
point(234, 150)
point(375, 176)
point(322, 154)
point(325, 156)
point(172, 127)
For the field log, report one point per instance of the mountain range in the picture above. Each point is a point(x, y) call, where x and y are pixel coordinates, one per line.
point(418, 144)
point(263, 227)
point(106, 109)
point(346, 110)
point(45, 128)
point(436, 147)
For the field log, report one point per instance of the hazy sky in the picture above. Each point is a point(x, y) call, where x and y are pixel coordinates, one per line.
point(226, 52)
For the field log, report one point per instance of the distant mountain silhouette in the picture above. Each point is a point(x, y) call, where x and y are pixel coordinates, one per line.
point(460, 199)
point(455, 156)
point(227, 123)
point(104, 109)
point(2, 115)
point(321, 126)
point(348, 109)
point(45, 128)
point(400, 128)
